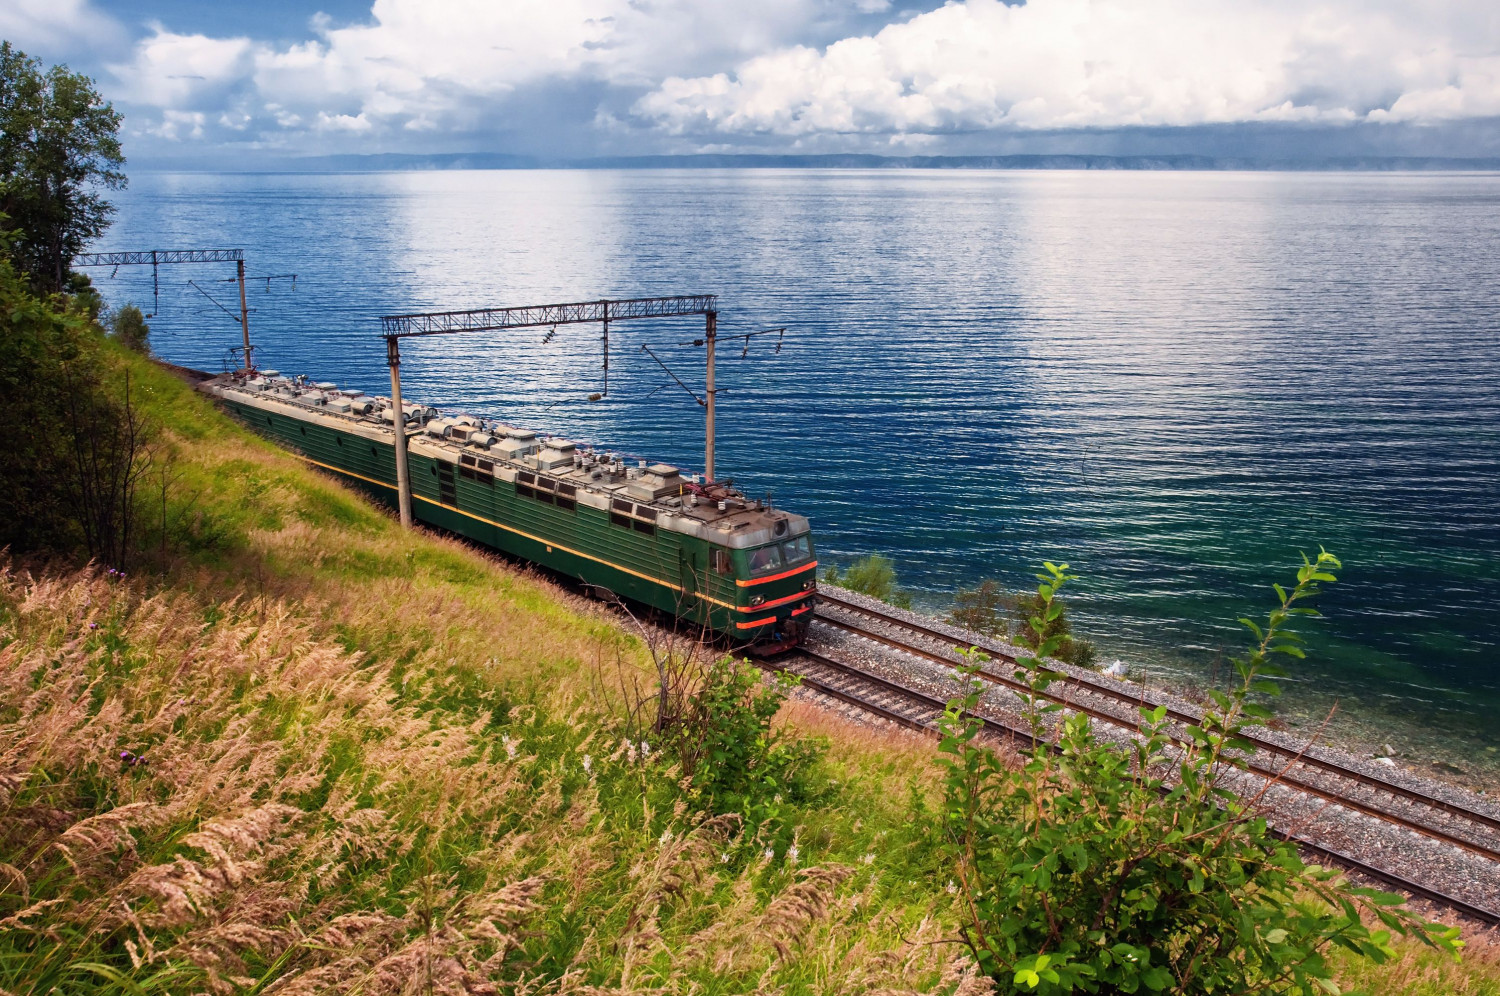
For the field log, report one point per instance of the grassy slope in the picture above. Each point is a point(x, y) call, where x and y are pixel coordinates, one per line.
point(378, 760)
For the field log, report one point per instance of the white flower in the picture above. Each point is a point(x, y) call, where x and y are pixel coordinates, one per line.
point(645, 749)
point(952, 889)
point(510, 745)
point(769, 854)
point(724, 858)
point(791, 854)
point(630, 751)
point(868, 859)
point(666, 836)
point(588, 764)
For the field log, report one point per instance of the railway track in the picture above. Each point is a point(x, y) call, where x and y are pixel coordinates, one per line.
point(915, 709)
point(1475, 831)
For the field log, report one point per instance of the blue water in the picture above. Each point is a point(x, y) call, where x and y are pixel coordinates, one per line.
point(1173, 381)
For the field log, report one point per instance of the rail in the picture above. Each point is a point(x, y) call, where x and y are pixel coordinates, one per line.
point(1132, 701)
point(853, 675)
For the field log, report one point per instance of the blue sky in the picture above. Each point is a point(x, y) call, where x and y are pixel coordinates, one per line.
point(267, 82)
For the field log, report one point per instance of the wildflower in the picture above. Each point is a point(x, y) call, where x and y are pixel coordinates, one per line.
point(666, 836)
point(769, 854)
point(952, 889)
point(777, 798)
point(724, 858)
point(645, 750)
point(792, 853)
point(588, 763)
point(93, 625)
point(510, 745)
point(630, 751)
point(868, 859)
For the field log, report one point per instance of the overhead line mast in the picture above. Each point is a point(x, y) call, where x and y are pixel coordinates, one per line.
point(157, 257)
point(397, 327)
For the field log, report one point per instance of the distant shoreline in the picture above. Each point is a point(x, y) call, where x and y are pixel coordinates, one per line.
point(402, 162)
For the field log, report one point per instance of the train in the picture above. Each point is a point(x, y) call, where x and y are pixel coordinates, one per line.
point(697, 550)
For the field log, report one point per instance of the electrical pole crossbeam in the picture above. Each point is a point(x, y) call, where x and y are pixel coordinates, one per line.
point(494, 319)
point(154, 256)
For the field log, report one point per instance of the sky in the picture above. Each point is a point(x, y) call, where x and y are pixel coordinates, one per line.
point(272, 81)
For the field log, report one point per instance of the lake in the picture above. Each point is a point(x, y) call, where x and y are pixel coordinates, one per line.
point(1173, 381)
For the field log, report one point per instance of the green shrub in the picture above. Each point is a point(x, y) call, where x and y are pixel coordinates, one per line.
point(1100, 870)
point(1026, 605)
point(978, 609)
point(988, 610)
point(1079, 653)
point(874, 576)
point(726, 745)
point(129, 326)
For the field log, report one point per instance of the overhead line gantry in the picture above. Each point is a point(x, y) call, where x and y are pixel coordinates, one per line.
point(157, 257)
point(397, 327)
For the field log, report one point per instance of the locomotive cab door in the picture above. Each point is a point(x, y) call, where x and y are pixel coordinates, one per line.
point(690, 577)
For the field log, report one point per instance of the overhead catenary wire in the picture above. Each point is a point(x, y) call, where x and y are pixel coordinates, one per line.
point(232, 316)
point(647, 350)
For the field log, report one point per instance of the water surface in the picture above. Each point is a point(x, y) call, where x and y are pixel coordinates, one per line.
point(1173, 381)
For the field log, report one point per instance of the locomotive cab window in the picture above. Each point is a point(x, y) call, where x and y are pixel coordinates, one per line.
point(719, 561)
point(766, 559)
point(778, 556)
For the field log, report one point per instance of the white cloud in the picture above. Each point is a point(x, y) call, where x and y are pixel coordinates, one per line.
point(423, 65)
point(1058, 64)
point(58, 27)
point(176, 71)
point(177, 125)
point(716, 74)
point(343, 122)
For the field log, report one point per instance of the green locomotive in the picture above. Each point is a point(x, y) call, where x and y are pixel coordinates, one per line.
point(700, 551)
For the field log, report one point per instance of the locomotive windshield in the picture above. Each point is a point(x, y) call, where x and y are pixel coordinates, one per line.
point(789, 553)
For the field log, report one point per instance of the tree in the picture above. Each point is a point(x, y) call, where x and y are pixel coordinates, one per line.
point(129, 326)
point(72, 468)
point(59, 143)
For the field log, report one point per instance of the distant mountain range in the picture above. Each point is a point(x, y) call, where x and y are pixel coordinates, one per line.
point(488, 160)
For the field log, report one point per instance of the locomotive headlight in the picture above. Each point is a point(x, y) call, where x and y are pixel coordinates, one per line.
point(757, 599)
point(807, 586)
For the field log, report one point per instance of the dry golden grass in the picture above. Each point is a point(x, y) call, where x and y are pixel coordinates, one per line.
point(307, 819)
point(1417, 971)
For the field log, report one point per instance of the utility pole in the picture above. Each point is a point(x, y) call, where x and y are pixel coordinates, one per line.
point(604, 309)
point(710, 333)
point(244, 313)
point(403, 479)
